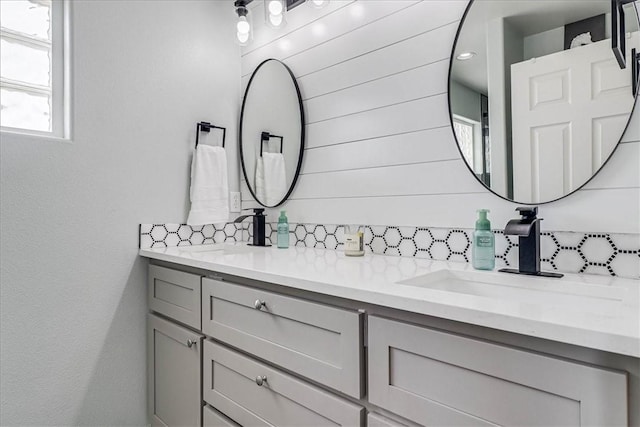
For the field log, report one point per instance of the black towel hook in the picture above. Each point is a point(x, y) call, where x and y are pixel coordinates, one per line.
point(206, 127)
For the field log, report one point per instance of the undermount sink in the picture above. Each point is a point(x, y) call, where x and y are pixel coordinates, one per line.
point(220, 248)
point(526, 289)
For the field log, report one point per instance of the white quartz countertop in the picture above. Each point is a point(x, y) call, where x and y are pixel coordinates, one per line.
point(596, 312)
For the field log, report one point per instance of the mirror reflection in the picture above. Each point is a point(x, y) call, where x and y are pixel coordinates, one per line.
point(538, 100)
point(271, 133)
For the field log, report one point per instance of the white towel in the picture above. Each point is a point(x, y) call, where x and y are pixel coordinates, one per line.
point(259, 181)
point(275, 181)
point(209, 186)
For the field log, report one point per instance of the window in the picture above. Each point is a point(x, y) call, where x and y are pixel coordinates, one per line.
point(475, 150)
point(32, 81)
point(464, 132)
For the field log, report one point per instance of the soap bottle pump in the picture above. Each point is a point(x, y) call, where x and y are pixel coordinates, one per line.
point(484, 251)
point(283, 231)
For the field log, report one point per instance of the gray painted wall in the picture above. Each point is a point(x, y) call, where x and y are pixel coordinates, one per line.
point(465, 101)
point(72, 296)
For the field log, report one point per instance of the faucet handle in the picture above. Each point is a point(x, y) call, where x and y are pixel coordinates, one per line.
point(256, 211)
point(528, 212)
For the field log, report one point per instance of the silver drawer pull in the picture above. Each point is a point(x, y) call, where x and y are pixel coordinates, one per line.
point(191, 343)
point(259, 304)
point(261, 379)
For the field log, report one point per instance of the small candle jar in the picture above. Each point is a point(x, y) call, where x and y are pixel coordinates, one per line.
point(353, 240)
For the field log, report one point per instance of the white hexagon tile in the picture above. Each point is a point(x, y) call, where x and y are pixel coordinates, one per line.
point(569, 252)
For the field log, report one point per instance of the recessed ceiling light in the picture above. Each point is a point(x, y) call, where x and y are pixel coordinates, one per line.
point(465, 56)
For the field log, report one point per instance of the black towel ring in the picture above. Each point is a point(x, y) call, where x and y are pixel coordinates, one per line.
point(266, 136)
point(206, 127)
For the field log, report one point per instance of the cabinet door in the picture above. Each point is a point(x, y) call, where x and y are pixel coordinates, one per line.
point(174, 374)
point(254, 394)
point(437, 378)
point(175, 294)
point(317, 341)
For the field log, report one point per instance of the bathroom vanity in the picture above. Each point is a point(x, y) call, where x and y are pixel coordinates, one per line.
point(261, 336)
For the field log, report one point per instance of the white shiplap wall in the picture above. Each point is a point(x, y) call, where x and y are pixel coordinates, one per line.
point(380, 150)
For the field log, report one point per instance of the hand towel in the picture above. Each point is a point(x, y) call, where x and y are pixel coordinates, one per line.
point(259, 181)
point(275, 182)
point(209, 186)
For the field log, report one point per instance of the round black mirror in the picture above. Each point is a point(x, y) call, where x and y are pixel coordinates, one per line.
point(271, 133)
point(539, 95)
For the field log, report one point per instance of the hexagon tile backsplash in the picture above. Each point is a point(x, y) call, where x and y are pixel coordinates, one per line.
point(591, 253)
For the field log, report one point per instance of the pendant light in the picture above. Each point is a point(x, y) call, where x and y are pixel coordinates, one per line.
point(244, 27)
point(274, 13)
point(318, 4)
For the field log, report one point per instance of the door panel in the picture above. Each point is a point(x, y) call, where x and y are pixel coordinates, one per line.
point(174, 374)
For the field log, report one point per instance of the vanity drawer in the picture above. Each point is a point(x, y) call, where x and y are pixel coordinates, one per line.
point(317, 341)
point(231, 386)
point(213, 418)
point(375, 420)
point(437, 378)
point(175, 294)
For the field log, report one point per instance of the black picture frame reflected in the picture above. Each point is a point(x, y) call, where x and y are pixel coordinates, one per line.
point(618, 42)
point(594, 25)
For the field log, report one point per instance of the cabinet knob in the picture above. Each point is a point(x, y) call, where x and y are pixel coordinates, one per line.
point(259, 304)
point(191, 343)
point(261, 379)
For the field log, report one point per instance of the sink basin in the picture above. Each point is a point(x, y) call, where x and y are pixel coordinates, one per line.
point(220, 248)
point(526, 289)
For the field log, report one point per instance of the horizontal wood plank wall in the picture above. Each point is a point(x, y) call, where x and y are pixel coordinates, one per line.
point(380, 149)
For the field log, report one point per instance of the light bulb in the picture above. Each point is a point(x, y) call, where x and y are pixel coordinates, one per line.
point(242, 37)
point(465, 56)
point(319, 3)
point(243, 25)
point(275, 20)
point(275, 7)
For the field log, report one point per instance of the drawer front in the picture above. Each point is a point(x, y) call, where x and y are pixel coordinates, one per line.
point(319, 342)
point(376, 420)
point(231, 386)
point(437, 378)
point(175, 294)
point(213, 418)
point(174, 373)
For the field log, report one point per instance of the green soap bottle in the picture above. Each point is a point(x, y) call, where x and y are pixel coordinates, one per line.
point(484, 245)
point(283, 231)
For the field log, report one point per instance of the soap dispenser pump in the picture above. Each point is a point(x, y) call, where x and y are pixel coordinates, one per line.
point(484, 249)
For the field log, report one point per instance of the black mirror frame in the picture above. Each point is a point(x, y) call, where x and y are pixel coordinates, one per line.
point(451, 62)
point(302, 133)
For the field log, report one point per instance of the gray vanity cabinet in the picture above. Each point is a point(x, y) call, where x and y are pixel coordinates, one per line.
point(226, 355)
point(174, 374)
point(254, 394)
point(438, 378)
point(317, 341)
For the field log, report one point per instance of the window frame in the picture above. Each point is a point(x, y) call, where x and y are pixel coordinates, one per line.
point(60, 70)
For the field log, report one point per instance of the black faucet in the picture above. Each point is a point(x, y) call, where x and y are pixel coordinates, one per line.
point(527, 229)
point(259, 226)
